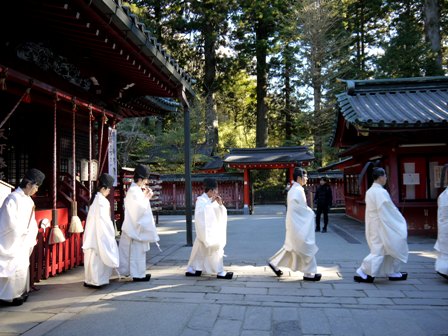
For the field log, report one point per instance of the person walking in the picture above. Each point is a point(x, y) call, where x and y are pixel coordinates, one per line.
point(299, 249)
point(138, 229)
point(441, 245)
point(18, 233)
point(386, 234)
point(323, 200)
point(99, 245)
point(210, 222)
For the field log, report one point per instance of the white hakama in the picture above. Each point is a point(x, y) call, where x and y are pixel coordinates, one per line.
point(386, 234)
point(137, 232)
point(441, 245)
point(18, 232)
point(210, 221)
point(299, 250)
point(99, 245)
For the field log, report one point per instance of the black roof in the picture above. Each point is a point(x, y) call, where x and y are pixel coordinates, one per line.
point(400, 102)
point(269, 155)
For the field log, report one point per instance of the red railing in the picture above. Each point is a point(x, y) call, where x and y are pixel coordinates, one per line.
point(49, 260)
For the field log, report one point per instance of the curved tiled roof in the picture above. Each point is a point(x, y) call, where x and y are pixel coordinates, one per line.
point(269, 155)
point(402, 102)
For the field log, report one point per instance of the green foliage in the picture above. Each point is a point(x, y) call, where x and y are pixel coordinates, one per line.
point(348, 39)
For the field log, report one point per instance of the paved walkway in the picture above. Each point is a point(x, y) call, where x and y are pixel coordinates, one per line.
point(255, 302)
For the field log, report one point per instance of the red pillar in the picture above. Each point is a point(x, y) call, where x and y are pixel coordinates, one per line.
point(246, 199)
point(394, 186)
point(291, 174)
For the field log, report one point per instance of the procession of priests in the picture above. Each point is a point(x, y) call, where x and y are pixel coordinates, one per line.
point(385, 230)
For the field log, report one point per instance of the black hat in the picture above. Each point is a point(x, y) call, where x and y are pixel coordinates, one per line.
point(142, 172)
point(210, 184)
point(106, 181)
point(35, 175)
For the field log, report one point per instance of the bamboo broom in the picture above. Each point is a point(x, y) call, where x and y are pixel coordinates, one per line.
point(56, 235)
point(75, 222)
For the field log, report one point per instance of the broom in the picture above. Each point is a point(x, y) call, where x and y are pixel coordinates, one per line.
point(56, 235)
point(75, 222)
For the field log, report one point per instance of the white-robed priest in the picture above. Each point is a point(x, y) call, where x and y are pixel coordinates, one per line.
point(18, 232)
point(210, 222)
point(99, 245)
point(386, 234)
point(299, 250)
point(138, 229)
point(441, 245)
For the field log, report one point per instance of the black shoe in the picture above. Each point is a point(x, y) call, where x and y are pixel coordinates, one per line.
point(324, 230)
point(316, 277)
point(146, 278)
point(228, 276)
point(195, 274)
point(444, 275)
point(403, 276)
point(14, 303)
point(278, 273)
point(359, 278)
point(91, 286)
point(317, 229)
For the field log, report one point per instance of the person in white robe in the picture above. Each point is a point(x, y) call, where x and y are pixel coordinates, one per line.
point(298, 252)
point(138, 229)
point(386, 234)
point(210, 222)
point(99, 245)
point(18, 233)
point(441, 245)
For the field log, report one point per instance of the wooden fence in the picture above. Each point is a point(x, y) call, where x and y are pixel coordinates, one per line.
point(49, 260)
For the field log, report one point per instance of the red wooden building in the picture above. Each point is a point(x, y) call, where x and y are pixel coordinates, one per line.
point(230, 187)
point(401, 125)
point(247, 159)
point(69, 72)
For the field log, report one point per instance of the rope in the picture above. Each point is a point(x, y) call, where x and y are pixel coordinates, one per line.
point(74, 148)
point(55, 151)
point(25, 94)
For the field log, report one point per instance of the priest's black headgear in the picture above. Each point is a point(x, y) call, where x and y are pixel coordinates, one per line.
point(378, 172)
point(298, 171)
point(35, 176)
point(106, 181)
point(210, 184)
point(142, 172)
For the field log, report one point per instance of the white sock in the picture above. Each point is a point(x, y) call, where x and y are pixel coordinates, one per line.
point(395, 275)
point(223, 273)
point(309, 275)
point(190, 269)
point(361, 273)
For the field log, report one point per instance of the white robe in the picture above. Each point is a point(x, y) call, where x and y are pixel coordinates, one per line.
point(210, 222)
point(386, 234)
point(299, 250)
point(18, 232)
point(99, 245)
point(441, 245)
point(137, 231)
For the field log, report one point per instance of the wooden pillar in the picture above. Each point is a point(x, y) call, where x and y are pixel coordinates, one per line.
point(394, 186)
point(291, 174)
point(246, 198)
point(236, 196)
point(174, 197)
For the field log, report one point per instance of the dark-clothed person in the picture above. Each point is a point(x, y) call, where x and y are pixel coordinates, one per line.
point(323, 200)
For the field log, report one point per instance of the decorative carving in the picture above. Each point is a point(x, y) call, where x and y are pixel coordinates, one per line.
point(42, 56)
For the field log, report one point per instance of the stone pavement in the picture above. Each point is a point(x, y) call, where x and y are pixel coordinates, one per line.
point(255, 302)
